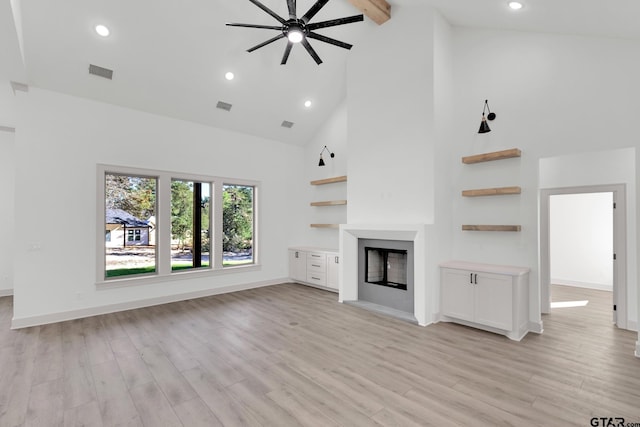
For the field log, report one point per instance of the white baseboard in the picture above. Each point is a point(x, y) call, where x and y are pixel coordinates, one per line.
point(576, 284)
point(6, 292)
point(632, 325)
point(536, 327)
point(29, 321)
point(638, 349)
point(436, 317)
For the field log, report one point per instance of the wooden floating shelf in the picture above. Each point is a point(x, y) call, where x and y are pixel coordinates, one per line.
point(496, 155)
point(325, 225)
point(330, 203)
point(491, 228)
point(501, 191)
point(329, 180)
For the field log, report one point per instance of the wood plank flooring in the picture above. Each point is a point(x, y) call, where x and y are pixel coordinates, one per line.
point(290, 355)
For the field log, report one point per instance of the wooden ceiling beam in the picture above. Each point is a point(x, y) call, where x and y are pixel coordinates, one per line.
point(379, 11)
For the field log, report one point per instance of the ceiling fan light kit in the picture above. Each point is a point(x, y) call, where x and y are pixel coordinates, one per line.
point(299, 30)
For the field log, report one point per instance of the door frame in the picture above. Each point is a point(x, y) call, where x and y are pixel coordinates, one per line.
point(619, 245)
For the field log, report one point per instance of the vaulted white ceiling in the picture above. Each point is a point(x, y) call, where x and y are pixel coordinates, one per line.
point(170, 58)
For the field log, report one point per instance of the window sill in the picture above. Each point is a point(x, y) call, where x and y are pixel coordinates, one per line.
point(172, 277)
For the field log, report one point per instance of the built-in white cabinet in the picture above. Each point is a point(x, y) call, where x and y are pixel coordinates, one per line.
point(333, 263)
point(297, 265)
point(485, 296)
point(313, 266)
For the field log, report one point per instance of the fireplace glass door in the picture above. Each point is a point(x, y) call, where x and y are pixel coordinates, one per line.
point(386, 267)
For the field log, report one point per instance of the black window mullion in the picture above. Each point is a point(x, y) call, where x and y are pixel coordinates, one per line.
point(197, 224)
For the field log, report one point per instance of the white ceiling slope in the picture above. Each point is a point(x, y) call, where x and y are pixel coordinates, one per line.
point(170, 58)
point(11, 65)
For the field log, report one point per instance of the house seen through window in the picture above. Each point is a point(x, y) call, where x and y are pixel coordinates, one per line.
point(130, 204)
point(187, 236)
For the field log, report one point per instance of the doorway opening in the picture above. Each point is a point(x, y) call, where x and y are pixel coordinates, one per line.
point(582, 244)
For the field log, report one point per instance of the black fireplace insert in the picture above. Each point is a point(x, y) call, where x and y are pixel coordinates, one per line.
point(386, 267)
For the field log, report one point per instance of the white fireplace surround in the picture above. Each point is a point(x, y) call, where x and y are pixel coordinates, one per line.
point(416, 233)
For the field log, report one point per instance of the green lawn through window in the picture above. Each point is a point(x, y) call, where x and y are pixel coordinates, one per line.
point(118, 272)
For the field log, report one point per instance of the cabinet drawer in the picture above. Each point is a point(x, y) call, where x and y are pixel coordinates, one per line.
point(315, 256)
point(316, 278)
point(316, 263)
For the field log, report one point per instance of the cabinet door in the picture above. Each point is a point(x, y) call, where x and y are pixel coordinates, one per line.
point(494, 300)
point(298, 265)
point(333, 263)
point(457, 294)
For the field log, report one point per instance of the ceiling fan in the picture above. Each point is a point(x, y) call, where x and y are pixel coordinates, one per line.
point(297, 30)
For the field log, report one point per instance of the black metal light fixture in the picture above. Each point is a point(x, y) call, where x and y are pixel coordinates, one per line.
point(484, 126)
point(298, 29)
point(321, 162)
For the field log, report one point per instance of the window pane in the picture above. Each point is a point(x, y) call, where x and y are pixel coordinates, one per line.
point(237, 225)
point(130, 203)
point(190, 224)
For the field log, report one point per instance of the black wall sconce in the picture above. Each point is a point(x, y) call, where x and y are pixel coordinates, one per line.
point(332, 155)
point(484, 126)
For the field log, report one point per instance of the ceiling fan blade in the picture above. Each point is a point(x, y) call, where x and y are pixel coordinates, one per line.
point(266, 27)
point(312, 52)
point(291, 4)
point(313, 10)
point(287, 51)
point(334, 22)
point(329, 40)
point(269, 11)
point(278, 37)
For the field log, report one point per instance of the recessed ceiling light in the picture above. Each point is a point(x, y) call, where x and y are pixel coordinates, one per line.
point(102, 30)
point(515, 5)
point(229, 76)
point(307, 103)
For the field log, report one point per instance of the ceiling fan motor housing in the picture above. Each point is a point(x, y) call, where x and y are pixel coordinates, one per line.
point(295, 24)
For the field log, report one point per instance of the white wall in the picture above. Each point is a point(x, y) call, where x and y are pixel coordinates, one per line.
point(59, 141)
point(390, 93)
point(444, 84)
point(6, 212)
point(7, 105)
point(333, 134)
point(553, 95)
point(581, 240)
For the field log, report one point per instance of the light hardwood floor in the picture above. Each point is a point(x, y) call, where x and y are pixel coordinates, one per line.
point(291, 355)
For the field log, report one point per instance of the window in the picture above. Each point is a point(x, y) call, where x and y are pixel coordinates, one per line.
point(130, 201)
point(158, 224)
point(237, 228)
point(190, 224)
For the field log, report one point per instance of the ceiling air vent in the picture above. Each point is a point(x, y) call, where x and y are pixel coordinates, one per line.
point(286, 124)
point(224, 106)
point(100, 72)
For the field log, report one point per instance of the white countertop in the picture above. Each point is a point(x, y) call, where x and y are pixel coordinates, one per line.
point(510, 270)
point(312, 249)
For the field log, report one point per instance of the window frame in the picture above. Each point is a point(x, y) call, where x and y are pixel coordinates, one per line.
point(163, 271)
point(243, 183)
point(212, 204)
